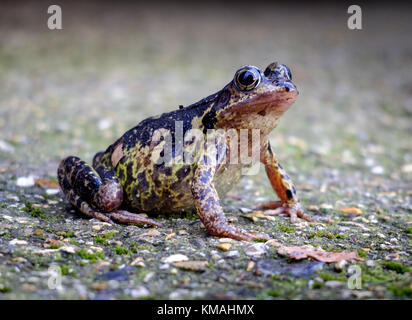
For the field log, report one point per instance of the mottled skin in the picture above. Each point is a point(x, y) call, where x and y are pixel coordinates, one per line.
point(127, 176)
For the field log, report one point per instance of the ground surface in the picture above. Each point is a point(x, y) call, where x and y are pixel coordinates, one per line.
point(346, 144)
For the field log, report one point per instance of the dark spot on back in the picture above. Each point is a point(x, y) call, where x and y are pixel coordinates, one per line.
point(143, 184)
point(183, 172)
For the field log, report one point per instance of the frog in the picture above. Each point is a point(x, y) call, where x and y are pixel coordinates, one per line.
point(127, 183)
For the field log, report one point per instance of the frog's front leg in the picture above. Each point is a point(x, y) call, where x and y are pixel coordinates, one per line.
point(97, 192)
point(282, 185)
point(209, 209)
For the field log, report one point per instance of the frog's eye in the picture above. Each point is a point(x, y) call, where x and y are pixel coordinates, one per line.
point(275, 70)
point(247, 78)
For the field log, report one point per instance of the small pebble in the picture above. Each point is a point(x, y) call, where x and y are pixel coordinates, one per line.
point(339, 266)
point(198, 266)
point(175, 258)
point(18, 242)
point(25, 181)
point(250, 266)
point(326, 206)
point(139, 292)
point(256, 250)
point(232, 254)
point(378, 170)
point(224, 246)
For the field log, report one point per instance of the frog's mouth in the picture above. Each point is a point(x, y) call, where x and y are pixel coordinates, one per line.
point(276, 100)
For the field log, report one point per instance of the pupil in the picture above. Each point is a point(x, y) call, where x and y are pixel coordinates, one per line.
point(246, 78)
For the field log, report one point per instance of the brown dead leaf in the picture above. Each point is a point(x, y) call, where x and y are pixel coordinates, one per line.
point(46, 184)
point(250, 216)
point(274, 243)
point(299, 253)
point(356, 211)
point(170, 235)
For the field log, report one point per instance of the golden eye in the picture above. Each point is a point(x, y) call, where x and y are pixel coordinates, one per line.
point(247, 78)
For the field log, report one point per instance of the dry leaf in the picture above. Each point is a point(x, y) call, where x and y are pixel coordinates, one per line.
point(299, 253)
point(356, 211)
point(274, 243)
point(46, 184)
point(170, 235)
point(250, 216)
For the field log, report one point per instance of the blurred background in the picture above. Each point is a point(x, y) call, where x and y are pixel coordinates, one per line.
point(75, 90)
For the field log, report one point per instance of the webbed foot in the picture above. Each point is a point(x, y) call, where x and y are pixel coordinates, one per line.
point(278, 207)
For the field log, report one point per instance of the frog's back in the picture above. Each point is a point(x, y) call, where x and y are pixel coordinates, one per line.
point(156, 187)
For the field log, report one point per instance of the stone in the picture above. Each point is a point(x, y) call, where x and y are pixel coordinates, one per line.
point(175, 258)
point(256, 250)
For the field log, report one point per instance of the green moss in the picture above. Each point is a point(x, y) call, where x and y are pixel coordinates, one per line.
point(135, 247)
point(103, 238)
point(408, 230)
point(121, 250)
point(4, 289)
point(362, 253)
point(397, 267)
point(34, 212)
point(322, 234)
point(328, 276)
point(274, 293)
point(69, 234)
point(99, 239)
point(342, 235)
point(92, 257)
point(286, 228)
point(65, 270)
point(56, 245)
point(287, 287)
point(401, 291)
point(376, 274)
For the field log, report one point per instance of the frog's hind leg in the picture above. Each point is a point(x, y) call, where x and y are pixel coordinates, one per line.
point(86, 190)
point(96, 192)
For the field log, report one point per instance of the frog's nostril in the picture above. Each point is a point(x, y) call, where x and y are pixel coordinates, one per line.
point(288, 86)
